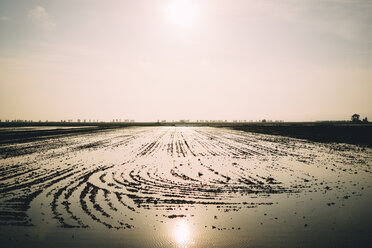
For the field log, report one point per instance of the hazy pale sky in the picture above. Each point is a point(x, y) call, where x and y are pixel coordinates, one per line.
point(179, 59)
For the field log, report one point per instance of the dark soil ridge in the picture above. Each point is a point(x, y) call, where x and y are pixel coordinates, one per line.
point(350, 134)
point(13, 137)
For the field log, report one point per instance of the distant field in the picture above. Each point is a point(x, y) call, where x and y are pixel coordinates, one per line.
point(346, 132)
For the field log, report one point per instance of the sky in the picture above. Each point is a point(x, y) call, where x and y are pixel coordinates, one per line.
point(181, 59)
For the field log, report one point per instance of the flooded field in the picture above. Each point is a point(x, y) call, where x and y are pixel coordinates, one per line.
point(184, 187)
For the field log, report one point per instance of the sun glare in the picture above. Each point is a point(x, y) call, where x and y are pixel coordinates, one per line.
point(182, 234)
point(182, 12)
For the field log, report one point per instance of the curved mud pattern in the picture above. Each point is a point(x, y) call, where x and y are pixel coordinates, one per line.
point(114, 177)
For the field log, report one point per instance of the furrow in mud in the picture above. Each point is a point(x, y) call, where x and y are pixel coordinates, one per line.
point(112, 178)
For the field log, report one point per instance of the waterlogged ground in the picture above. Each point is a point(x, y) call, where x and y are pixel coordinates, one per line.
point(184, 187)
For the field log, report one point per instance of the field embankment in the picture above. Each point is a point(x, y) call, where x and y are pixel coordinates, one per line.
point(357, 134)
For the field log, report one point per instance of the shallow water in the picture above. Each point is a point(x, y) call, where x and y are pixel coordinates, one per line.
point(184, 187)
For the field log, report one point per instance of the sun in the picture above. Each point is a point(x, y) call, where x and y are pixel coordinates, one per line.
point(182, 12)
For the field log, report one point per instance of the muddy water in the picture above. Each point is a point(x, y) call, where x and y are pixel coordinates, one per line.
point(184, 187)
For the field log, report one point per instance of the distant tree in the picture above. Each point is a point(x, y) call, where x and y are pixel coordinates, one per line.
point(355, 118)
point(365, 120)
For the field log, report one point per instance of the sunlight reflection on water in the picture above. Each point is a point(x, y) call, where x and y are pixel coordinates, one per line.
point(182, 235)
